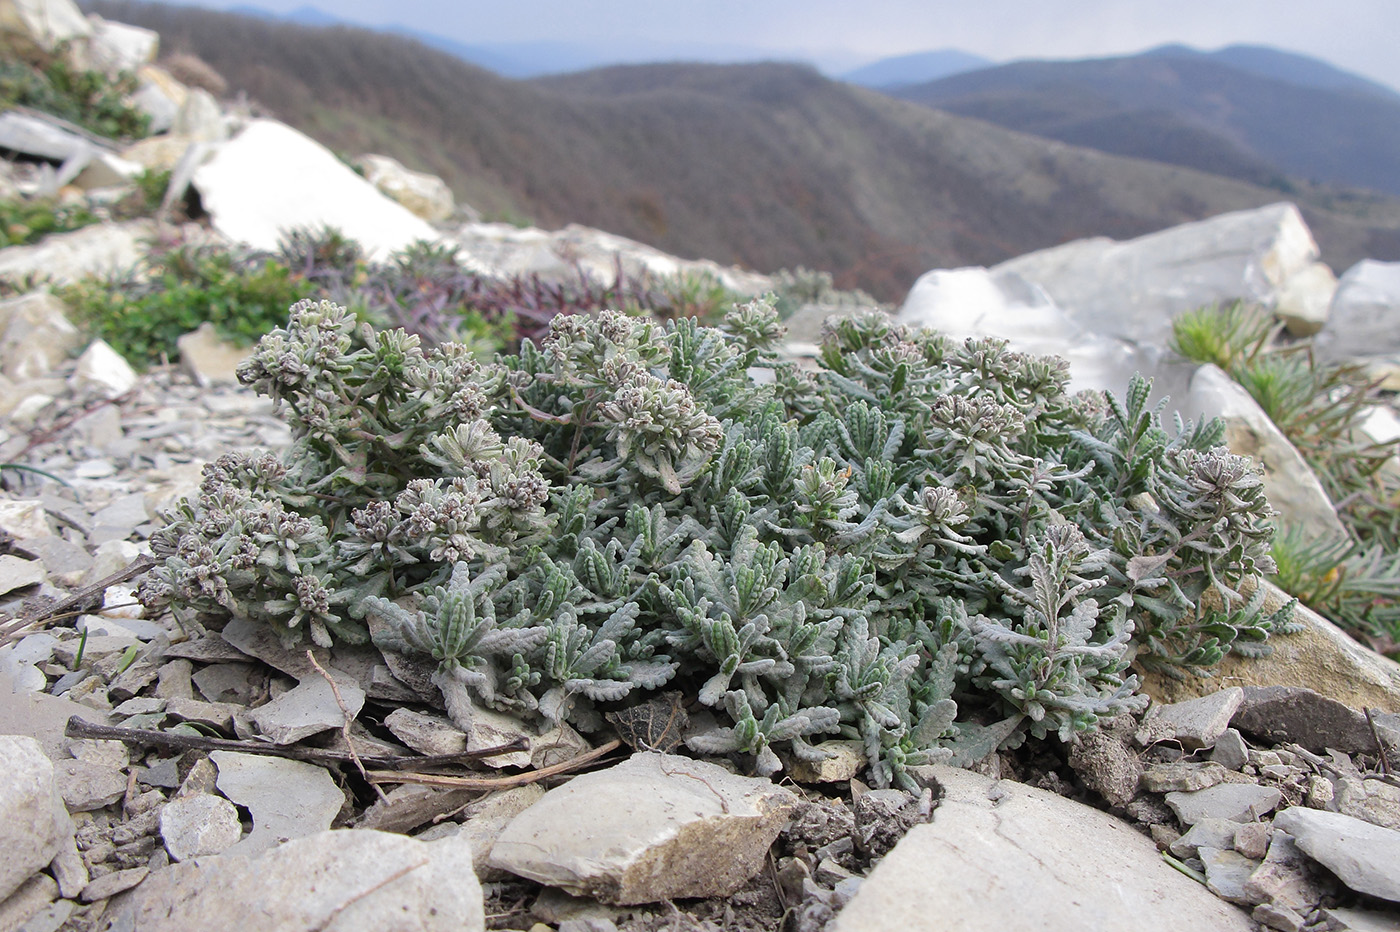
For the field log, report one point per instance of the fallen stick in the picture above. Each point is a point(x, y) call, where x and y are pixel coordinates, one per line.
point(493, 783)
point(79, 728)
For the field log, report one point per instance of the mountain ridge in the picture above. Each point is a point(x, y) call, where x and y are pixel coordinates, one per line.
point(765, 166)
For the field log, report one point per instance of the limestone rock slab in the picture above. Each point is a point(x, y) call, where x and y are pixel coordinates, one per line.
point(1238, 802)
point(288, 798)
point(1365, 857)
point(1364, 319)
point(655, 827)
point(270, 179)
point(1295, 714)
point(1001, 855)
point(1198, 723)
point(33, 826)
point(199, 824)
point(331, 880)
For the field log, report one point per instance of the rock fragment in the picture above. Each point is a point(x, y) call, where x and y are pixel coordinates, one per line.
point(1365, 857)
point(288, 798)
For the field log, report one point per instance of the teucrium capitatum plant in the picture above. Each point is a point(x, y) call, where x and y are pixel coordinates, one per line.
point(926, 545)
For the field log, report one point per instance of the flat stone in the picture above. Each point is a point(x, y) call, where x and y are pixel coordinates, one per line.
point(1002, 855)
point(51, 918)
point(214, 714)
point(33, 895)
point(65, 561)
point(655, 827)
point(490, 729)
point(1363, 920)
point(1365, 857)
point(1279, 917)
point(102, 368)
point(309, 709)
point(17, 572)
point(70, 870)
point(87, 786)
point(1226, 873)
point(200, 824)
point(209, 358)
point(406, 807)
point(1374, 801)
point(1297, 715)
point(228, 682)
point(350, 880)
point(109, 885)
point(1230, 751)
point(425, 733)
point(556, 746)
point(288, 798)
point(42, 717)
point(1238, 802)
point(1207, 833)
point(33, 826)
point(1197, 723)
point(485, 820)
point(1182, 776)
point(24, 518)
point(209, 649)
point(1287, 878)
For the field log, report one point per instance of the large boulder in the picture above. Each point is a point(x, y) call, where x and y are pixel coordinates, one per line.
point(270, 179)
point(1002, 855)
point(34, 826)
point(97, 251)
point(979, 302)
point(1133, 289)
point(34, 29)
point(560, 254)
point(1321, 657)
point(35, 335)
point(114, 48)
point(1364, 322)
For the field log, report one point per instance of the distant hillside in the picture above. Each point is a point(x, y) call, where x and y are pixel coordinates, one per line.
point(768, 166)
point(917, 68)
point(1194, 109)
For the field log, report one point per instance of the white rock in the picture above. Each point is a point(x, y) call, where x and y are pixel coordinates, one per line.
point(96, 251)
point(1305, 299)
point(1364, 319)
point(35, 333)
point(427, 734)
point(87, 785)
point(1365, 857)
point(33, 896)
point(17, 572)
point(34, 135)
point(486, 818)
point(1238, 802)
point(355, 881)
point(106, 170)
point(200, 119)
point(159, 96)
point(507, 250)
point(116, 47)
point(1197, 723)
point(105, 369)
point(24, 518)
point(288, 798)
point(426, 195)
point(28, 27)
point(1133, 289)
point(209, 358)
point(655, 827)
point(490, 729)
point(1291, 486)
point(1001, 855)
point(270, 179)
point(973, 302)
point(199, 824)
point(309, 709)
point(33, 824)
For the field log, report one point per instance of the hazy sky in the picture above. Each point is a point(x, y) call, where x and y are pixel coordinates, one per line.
point(1358, 35)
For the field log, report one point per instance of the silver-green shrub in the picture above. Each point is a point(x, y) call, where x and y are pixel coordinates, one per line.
point(924, 544)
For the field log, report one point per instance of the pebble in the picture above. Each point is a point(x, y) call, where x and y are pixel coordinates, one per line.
point(1239, 802)
point(200, 824)
point(109, 885)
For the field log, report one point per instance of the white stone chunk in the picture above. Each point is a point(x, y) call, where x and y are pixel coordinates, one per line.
point(35, 333)
point(24, 518)
point(426, 195)
point(199, 824)
point(105, 369)
point(655, 827)
point(270, 179)
point(1364, 319)
point(34, 828)
point(96, 251)
point(31, 26)
point(116, 47)
point(1001, 855)
point(1365, 857)
point(341, 880)
point(288, 798)
point(1198, 723)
